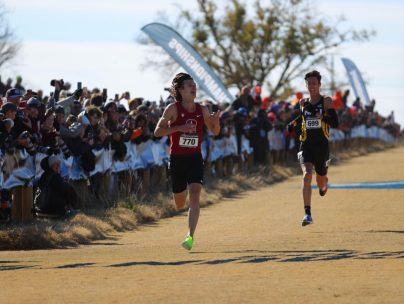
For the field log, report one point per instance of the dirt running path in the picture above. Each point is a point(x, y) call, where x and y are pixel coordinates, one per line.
point(249, 249)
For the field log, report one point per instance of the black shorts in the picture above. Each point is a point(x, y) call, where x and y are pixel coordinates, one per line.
point(317, 155)
point(185, 170)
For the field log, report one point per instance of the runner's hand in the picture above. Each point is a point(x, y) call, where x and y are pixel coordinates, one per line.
point(187, 128)
point(214, 118)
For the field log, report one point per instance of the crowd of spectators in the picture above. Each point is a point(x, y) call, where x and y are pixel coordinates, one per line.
point(78, 126)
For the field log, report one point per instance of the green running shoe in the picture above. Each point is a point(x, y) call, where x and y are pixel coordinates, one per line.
point(187, 243)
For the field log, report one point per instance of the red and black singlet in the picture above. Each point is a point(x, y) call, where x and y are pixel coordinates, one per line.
point(187, 143)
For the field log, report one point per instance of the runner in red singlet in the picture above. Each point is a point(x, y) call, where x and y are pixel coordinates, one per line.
point(183, 121)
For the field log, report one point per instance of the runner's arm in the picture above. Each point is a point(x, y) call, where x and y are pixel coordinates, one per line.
point(330, 116)
point(298, 120)
point(294, 123)
point(162, 127)
point(170, 115)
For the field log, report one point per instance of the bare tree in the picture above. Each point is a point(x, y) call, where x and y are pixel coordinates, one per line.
point(9, 46)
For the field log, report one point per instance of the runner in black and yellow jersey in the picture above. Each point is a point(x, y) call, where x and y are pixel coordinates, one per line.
point(316, 117)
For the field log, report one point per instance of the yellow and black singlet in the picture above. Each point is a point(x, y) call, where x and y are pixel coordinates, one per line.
point(314, 130)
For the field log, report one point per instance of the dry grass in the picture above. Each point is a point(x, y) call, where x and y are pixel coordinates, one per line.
point(97, 225)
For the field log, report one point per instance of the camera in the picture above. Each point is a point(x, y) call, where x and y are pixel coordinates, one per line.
point(53, 82)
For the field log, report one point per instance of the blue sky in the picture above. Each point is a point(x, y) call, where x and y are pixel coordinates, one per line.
point(95, 42)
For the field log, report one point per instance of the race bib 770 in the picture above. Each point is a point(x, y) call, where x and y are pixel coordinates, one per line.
point(188, 141)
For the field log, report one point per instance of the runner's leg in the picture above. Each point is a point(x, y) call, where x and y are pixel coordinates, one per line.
point(193, 213)
point(180, 199)
point(321, 181)
point(321, 166)
point(307, 169)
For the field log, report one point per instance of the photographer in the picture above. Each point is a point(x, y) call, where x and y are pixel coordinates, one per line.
point(7, 139)
point(54, 196)
point(50, 137)
point(79, 145)
point(83, 160)
point(33, 109)
point(66, 103)
point(8, 113)
point(119, 132)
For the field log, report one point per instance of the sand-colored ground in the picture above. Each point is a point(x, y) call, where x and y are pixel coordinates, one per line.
point(249, 249)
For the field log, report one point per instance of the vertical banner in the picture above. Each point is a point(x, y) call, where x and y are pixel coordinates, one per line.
point(356, 80)
point(191, 61)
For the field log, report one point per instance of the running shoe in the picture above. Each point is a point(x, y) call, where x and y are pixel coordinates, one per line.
point(188, 242)
point(307, 220)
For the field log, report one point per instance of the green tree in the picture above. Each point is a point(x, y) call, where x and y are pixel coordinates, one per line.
point(278, 41)
point(8, 44)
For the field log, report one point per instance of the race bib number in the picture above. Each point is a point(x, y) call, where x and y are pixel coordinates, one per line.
point(188, 141)
point(314, 123)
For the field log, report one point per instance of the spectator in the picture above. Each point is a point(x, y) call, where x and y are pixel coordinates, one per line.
point(74, 139)
point(33, 106)
point(266, 102)
point(244, 100)
point(337, 101)
point(60, 119)
point(122, 113)
point(22, 195)
point(96, 100)
point(2, 88)
point(134, 103)
point(258, 134)
point(54, 195)
point(76, 108)
point(14, 95)
point(371, 107)
point(18, 84)
point(345, 98)
point(240, 122)
point(357, 103)
point(257, 96)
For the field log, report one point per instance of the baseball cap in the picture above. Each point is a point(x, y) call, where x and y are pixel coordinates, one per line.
point(14, 92)
point(33, 102)
point(8, 106)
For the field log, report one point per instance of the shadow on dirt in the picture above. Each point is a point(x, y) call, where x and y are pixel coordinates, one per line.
point(257, 256)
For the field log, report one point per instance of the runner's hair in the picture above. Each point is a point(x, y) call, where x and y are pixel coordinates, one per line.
point(177, 83)
point(313, 73)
